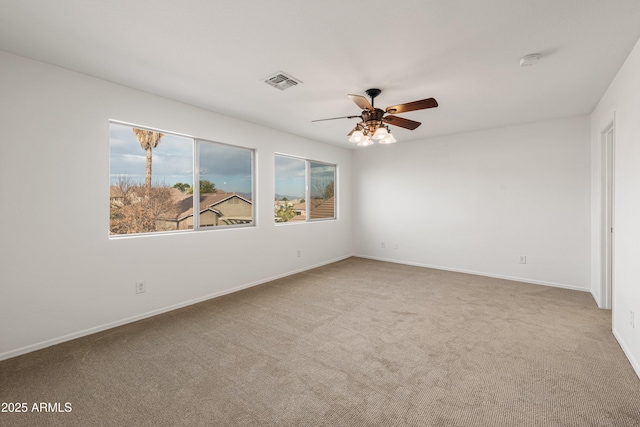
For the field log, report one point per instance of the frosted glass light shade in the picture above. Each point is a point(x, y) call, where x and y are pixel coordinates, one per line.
point(365, 141)
point(356, 136)
point(381, 132)
point(389, 139)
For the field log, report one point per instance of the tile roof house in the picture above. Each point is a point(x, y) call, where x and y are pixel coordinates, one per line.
point(325, 210)
point(220, 208)
point(320, 209)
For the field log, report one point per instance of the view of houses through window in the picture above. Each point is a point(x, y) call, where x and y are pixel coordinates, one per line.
point(152, 176)
point(322, 179)
point(305, 190)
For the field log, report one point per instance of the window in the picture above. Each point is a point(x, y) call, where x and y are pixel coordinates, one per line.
point(152, 176)
point(322, 191)
point(305, 190)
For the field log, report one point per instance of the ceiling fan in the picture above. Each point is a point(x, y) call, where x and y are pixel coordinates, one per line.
point(374, 120)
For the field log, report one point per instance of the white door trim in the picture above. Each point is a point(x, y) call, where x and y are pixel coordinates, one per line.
point(607, 147)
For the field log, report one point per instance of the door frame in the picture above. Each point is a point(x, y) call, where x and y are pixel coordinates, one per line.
point(607, 191)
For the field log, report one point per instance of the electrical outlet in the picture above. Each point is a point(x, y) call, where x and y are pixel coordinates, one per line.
point(299, 253)
point(523, 259)
point(140, 287)
point(395, 245)
point(632, 318)
point(382, 245)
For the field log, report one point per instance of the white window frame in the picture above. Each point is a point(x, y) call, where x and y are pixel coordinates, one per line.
point(307, 190)
point(196, 186)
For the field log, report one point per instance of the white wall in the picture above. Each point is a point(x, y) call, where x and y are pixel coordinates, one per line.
point(60, 274)
point(622, 101)
point(476, 202)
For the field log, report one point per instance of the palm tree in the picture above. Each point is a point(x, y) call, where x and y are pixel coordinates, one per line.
point(148, 141)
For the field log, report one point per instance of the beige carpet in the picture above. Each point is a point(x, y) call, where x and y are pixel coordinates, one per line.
point(355, 343)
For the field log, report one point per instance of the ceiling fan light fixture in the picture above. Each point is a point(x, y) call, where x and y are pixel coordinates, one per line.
point(356, 136)
point(380, 133)
point(389, 139)
point(364, 141)
point(374, 120)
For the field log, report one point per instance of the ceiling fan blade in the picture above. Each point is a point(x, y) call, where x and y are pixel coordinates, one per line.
point(361, 102)
point(336, 118)
point(412, 106)
point(403, 123)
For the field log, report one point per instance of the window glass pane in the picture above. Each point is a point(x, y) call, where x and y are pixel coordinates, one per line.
point(322, 178)
point(290, 175)
point(145, 167)
point(226, 185)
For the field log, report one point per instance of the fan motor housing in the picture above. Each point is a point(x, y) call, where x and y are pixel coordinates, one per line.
point(372, 119)
point(375, 115)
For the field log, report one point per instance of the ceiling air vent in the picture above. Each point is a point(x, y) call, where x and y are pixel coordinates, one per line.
point(281, 81)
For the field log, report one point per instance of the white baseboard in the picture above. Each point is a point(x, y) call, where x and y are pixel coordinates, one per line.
point(478, 273)
point(634, 363)
point(596, 298)
point(48, 343)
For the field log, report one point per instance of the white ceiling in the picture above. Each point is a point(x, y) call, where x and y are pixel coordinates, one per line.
point(215, 53)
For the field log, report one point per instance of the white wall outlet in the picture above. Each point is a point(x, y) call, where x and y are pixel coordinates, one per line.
point(632, 318)
point(395, 245)
point(523, 259)
point(140, 287)
point(299, 253)
point(382, 245)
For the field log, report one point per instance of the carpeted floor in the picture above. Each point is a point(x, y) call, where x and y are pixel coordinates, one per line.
point(354, 343)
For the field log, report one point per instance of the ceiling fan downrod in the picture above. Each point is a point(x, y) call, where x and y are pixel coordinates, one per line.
point(372, 94)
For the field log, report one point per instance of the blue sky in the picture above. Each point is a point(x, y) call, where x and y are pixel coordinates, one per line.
point(290, 177)
point(229, 168)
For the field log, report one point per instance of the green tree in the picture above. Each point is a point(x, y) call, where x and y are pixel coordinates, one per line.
point(285, 213)
point(183, 186)
point(206, 186)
